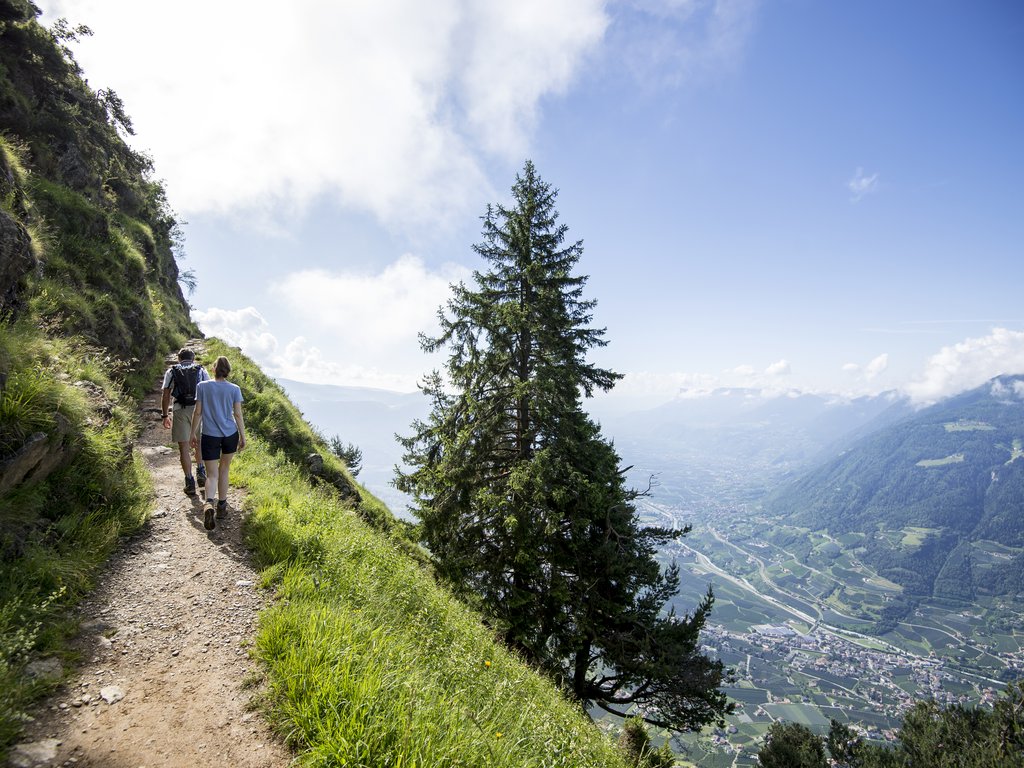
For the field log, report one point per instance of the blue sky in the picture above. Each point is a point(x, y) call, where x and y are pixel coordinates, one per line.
point(789, 193)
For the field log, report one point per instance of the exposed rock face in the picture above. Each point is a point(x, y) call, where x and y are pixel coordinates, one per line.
point(74, 171)
point(34, 754)
point(317, 471)
point(348, 491)
point(16, 260)
point(14, 470)
point(50, 670)
point(39, 456)
point(315, 463)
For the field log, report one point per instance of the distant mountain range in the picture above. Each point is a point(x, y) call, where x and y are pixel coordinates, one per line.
point(747, 439)
point(697, 445)
point(938, 495)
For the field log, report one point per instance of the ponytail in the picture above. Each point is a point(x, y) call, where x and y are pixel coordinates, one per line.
point(221, 368)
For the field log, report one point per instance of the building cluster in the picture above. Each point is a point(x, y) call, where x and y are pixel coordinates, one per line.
point(886, 682)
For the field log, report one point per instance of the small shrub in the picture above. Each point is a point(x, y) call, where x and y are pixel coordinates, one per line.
point(351, 454)
point(635, 743)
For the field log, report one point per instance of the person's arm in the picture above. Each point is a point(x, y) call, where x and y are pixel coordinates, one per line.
point(165, 403)
point(197, 422)
point(237, 411)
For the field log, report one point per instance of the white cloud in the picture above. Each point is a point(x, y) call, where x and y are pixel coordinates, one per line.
point(864, 375)
point(649, 388)
point(861, 184)
point(876, 366)
point(669, 42)
point(370, 318)
point(1014, 391)
point(298, 360)
point(391, 107)
point(639, 390)
point(370, 311)
point(969, 364)
point(664, 385)
point(516, 53)
point(243, 328)
point(301, 361)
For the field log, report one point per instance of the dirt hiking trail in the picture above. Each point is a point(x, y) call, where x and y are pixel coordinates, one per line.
point(163, 643)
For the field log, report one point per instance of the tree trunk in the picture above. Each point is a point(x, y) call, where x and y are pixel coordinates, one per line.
point(581, 667)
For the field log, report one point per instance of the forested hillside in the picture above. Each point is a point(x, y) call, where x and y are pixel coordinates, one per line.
point(924, 494)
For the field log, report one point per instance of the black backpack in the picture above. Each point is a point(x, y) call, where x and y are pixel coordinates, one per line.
point(185, 382)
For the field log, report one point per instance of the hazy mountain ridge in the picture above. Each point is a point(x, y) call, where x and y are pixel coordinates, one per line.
point(953, 472)
point(753, 436)
point(748, 440)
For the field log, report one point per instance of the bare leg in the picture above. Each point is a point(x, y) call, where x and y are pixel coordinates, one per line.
point(212, 468)
point(221, 478)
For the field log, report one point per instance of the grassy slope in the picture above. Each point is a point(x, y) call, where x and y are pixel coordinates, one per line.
point(369, 661)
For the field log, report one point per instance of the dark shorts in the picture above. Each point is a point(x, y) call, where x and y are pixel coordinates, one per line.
point(212, 446)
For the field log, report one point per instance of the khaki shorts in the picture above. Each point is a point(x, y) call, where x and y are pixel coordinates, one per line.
point(181, 423)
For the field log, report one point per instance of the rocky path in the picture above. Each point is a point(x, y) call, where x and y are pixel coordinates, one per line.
point(164, 667)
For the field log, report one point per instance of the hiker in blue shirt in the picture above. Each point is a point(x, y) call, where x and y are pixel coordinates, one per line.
point(219, 413)
point(180, 383)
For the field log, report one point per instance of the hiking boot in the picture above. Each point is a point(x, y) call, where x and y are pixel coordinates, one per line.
point(201, 475)
point(208, 517)
point(190, 486)
point(222, 508)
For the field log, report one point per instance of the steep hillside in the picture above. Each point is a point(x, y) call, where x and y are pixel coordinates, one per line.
point(936, 499)
point(87, 236)
point(89, 287)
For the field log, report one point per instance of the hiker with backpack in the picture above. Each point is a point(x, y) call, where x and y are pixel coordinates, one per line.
point(180, 384)
point(219, 415)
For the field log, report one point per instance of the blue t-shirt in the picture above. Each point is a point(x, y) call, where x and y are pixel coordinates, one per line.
point(218, 399)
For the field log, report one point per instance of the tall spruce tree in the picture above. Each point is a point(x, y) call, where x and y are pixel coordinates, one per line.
point(523, 503)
